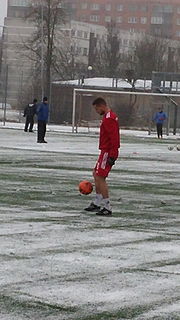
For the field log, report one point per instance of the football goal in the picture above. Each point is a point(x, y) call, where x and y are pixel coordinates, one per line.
point(135, 109)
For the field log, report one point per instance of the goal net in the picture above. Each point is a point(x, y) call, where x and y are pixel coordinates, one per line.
point(134, 109)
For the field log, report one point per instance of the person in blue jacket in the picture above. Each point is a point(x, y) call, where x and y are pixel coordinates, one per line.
point(159, 118)
point(42, 118)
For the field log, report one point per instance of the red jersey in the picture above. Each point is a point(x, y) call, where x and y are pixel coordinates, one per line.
point(109, 134)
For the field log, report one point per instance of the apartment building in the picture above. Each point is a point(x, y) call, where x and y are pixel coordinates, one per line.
point(81, 32)
point(18, 30)
point(157, 17)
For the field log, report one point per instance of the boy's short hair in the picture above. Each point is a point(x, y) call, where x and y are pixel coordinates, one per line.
point(45, 99)
point(99, 101)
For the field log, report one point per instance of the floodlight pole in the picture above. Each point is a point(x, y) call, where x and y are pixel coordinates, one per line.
point(175, 119)
point(42, 51)
point(6, 85)
point(168, 120)
point(5, 95)
point(74, 110)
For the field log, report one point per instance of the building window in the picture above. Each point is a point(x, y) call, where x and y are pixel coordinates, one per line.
point(119, 19)
point(157, 8)
point(83, 18)
point(125, 42)
point(78, 50)
point(157, 32)
point(144, 8)
point(161, 8)
point(132, 20)
point(178, 9)
point(156, 20)
point(79, 34)
point(178, 34)
point(85, 51)
point(19, 3)
point(132, 30)
point(168, 9)
point(73, 33)
point(133, 7)
point(143, 20)
point(85, 35)
point(95, 6)
point(67, 33)
point(108, 7)
point(178, 22)
point(119, 7)
point(130, 43)
point(108, 19)
point(94, 18)
point(84, 6)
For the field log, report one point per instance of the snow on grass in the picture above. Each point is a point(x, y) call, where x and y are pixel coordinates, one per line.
point(60, 262)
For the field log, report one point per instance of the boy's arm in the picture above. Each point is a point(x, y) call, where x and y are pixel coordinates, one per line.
point(112, 130)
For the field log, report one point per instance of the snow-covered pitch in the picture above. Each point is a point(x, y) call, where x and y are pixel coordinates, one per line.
point(59, 262)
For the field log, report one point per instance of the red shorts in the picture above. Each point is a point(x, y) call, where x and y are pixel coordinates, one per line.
point(102, 168)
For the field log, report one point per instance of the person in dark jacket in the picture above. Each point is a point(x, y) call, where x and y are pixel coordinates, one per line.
point(42, 117)
point(29, 113)
point(159, 118)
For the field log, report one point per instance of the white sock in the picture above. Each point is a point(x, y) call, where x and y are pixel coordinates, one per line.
point(106, 204)
point(98, 199)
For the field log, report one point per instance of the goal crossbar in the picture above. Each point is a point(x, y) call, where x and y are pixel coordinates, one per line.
point(76, 90)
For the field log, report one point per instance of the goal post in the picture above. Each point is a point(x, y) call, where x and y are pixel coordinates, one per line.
point(87, 92)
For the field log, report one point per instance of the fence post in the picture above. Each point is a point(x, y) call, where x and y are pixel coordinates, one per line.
point(5, 94)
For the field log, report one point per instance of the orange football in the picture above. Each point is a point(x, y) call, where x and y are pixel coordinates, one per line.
point(85, 187)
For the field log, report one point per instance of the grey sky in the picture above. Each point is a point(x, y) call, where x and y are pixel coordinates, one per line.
point(3, 10)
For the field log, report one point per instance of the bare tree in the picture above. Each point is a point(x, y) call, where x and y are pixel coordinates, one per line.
point(108, 57)
point(67, 65)
point(173, 61)
point(29, 90)
point(149, 54)
point(1, 44)
point(47, 16)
